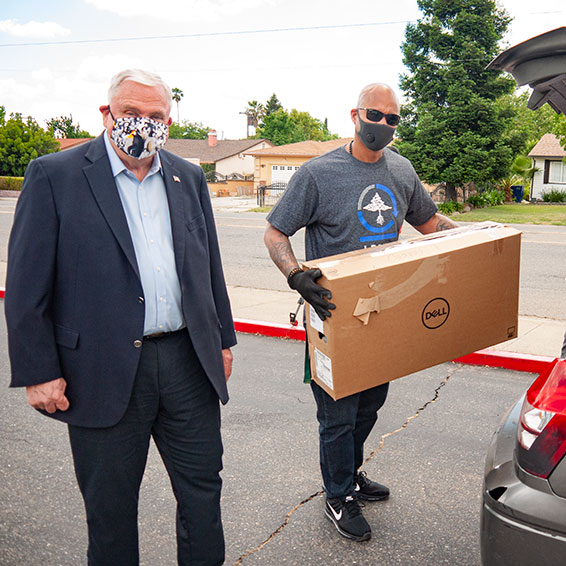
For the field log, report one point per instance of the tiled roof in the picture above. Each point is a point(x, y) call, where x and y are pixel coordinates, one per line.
point(548, 146)
point(67, 143)
point(199, 149)
point(301, 149)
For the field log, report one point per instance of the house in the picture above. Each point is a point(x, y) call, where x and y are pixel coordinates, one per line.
point(277, 164)
point(68, 143)
point(227, 155)
point(547, 156)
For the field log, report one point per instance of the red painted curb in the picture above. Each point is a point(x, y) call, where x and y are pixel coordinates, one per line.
point(269, 329)
point(492, 358)
point(2, 293)
point(507, 360)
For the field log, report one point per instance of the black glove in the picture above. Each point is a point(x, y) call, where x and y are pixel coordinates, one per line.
point(315, 295)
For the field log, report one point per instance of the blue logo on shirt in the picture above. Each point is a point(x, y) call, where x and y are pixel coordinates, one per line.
point(377, 211)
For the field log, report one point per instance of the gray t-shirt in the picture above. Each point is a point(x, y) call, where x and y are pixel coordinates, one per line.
point(347, 204)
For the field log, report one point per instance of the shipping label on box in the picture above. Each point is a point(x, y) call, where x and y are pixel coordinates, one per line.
point(407, 306)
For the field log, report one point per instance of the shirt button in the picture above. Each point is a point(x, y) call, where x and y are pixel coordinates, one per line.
point(137, 343)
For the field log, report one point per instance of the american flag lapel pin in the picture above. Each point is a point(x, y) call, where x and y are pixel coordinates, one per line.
point(176, 179)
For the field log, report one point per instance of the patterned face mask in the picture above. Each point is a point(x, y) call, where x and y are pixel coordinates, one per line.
point(139, 137)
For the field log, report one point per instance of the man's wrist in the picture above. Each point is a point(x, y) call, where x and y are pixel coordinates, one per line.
point(293, 271)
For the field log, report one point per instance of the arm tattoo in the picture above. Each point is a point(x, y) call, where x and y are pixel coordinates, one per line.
point(281, 252)
point(444, 223)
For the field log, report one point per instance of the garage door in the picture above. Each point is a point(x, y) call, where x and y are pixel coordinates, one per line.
point(282, 173)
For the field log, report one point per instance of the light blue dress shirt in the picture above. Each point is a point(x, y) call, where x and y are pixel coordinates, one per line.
point(147, 212)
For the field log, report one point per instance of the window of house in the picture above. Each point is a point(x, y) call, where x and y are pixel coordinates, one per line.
point(557, 172)
point(289, 168)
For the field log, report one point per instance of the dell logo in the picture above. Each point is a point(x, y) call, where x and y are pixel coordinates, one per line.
point(435, 313)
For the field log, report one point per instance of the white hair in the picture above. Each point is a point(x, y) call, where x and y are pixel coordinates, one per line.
point(138, 76)
point(368, 88)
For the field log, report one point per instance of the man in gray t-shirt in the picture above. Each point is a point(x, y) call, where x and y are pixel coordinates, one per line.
point(355, 196)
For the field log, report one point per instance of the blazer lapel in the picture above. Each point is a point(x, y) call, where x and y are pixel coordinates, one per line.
point(103, 187)
point(174, 188)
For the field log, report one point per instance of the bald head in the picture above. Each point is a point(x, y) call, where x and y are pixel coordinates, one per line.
point(376, 95)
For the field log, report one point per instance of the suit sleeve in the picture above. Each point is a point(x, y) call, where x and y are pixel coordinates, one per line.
point(221, 299)
point(29, 282)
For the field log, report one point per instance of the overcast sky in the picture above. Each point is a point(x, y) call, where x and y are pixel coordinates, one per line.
point(57, 56)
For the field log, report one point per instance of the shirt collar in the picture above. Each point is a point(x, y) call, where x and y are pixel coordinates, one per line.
point(117, 164)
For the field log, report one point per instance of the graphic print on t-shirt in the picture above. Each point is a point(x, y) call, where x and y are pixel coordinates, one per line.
point(377, 211)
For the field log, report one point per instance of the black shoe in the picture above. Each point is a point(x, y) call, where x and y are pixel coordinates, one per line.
point(347, 518)
point(369, 490)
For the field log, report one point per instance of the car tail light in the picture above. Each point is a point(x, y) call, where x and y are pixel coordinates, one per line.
point(541, 433)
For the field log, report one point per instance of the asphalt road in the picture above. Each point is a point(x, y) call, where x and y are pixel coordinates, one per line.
point(430, 442)
point(543, 261)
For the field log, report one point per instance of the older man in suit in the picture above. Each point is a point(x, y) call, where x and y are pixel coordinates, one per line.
point(119, 322)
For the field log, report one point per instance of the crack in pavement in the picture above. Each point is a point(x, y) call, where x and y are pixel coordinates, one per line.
point(370, 457)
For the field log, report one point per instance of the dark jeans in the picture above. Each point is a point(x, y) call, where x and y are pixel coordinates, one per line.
point(173, 402)
point(344, 426)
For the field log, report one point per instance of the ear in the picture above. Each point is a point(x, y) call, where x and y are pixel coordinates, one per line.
point(105, 111)
point(354, 114)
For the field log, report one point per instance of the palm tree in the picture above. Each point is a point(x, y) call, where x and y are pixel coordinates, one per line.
point(255, 113)
point(177, 95)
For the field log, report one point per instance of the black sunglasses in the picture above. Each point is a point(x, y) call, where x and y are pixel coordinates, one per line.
point(377, 115)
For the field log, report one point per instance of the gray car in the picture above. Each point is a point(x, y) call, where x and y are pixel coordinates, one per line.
point(523, 516)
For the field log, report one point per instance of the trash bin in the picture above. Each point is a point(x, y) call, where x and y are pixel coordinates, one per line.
point(518, 192)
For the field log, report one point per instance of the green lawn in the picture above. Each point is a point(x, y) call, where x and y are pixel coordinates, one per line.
point(516, 214)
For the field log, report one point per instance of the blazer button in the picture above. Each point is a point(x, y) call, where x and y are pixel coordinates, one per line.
point(137, 343)
point(141, 299)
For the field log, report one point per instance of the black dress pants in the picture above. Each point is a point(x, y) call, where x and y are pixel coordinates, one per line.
point(173, 402)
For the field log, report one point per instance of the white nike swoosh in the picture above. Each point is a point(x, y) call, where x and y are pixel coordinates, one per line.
point(337, 516)
point(357, 488)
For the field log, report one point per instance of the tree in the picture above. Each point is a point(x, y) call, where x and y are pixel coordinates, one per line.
point(177, 95)
point(272, 105)
point(453, 131)
point(255, 113)
point(526, 126)
point(282, 127)
point(63, 127)
point(188, 131)
point(20, 142)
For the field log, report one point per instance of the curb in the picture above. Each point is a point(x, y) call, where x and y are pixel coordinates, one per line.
point(492, 358)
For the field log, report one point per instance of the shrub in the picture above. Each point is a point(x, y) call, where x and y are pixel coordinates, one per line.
point(450, 207)
point(493, 197)
point(11, 183)
point(554, 196)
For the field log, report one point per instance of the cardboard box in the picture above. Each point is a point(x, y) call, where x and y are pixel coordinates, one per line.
point(410, 305)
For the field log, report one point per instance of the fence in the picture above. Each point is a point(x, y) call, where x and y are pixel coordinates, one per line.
point(268, 195)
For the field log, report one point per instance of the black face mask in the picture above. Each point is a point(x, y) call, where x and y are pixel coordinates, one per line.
point(375, 136)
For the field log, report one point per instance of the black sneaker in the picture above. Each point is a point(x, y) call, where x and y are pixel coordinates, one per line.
point(369, 490)
point(347, 518)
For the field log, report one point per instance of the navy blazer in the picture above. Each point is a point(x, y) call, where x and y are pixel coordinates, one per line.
point(74, 301)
